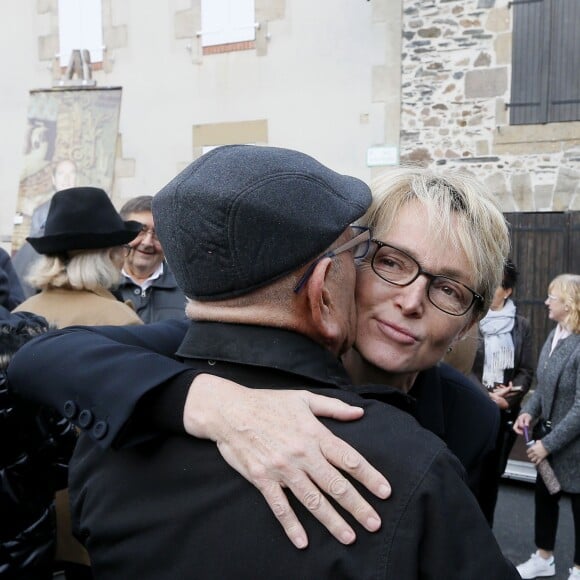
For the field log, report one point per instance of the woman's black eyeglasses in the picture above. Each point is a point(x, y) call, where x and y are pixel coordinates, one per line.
point(397, 267)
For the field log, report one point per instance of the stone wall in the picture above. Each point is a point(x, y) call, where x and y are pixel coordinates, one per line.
point(456, 66)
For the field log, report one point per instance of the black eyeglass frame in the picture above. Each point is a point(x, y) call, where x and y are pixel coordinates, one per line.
point(361, 238)
point(420, 271)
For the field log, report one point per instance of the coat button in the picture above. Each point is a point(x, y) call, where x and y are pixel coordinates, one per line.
point(100, 429)
point(70, 409)
point(137, 291)
point(85, 418)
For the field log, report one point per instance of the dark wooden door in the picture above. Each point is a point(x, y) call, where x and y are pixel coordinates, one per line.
point(544, 244)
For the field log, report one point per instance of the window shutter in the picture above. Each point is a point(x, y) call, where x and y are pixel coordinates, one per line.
point(227, 21)
point(530, 59)
point(80, 25)
point(564, 84)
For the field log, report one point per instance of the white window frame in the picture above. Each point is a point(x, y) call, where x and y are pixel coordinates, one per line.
point(227, 21)
point(80, 25)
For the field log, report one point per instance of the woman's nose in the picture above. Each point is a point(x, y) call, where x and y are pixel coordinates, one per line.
point(412, 298)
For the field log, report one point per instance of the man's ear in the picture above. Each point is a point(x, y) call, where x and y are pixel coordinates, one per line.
point(321, 303)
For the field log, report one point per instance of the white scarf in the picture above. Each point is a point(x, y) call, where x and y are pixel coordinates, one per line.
point(496, 329)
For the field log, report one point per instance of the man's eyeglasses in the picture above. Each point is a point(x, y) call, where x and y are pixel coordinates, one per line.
point(397, 267)
point(359, 245)
point(147, 230)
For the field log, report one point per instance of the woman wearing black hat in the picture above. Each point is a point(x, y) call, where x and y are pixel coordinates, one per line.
point(82, 253)
point(82, 248)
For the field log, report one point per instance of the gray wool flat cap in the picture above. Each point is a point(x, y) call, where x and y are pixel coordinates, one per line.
point(242, 216)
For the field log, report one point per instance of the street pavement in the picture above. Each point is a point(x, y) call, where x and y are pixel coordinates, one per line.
point(514, 526)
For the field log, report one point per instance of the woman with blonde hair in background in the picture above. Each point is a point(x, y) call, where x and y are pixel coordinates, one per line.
point(555, 404)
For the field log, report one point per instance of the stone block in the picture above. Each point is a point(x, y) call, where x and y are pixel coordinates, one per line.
point(485, 4)
point(567, 181)
point(521, 186)
point(431, 32)
point(432, 122)
point(498, 20)
point(503, 48)
point(48, 46)
point(469, 23)
point(496, 183)
point(380, 85)
point(532, 148)
point(543, 197)
point(486, 83)
point(115, 37)
point(267, 10)
point(481, 148)
point(561, 201)
point(501, 117)
point(417, 155)
point(575, 203)
point(536, 133)
point(185, 27)
point(507, 203)
point(483, 60)
point(45, 6)
point(262, 39)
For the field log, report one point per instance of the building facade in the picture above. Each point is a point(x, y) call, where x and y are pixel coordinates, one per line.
point(359, 84)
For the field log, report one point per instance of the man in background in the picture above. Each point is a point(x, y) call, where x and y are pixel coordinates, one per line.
point(147, 281)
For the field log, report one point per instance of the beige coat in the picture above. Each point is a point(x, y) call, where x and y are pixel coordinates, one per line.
point(62, 308)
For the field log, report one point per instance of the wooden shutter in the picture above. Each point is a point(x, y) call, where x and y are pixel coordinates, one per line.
point(530, 60)
point(564, 83)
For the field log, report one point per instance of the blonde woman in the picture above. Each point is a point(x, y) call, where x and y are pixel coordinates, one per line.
point(556, 399)
point(83, 248)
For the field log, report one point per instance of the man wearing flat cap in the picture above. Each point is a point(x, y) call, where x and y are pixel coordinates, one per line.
point(259, 240)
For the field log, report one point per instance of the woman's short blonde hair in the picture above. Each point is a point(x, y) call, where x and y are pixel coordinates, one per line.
point(479, 229)
point(567, 286)
point(79, 270)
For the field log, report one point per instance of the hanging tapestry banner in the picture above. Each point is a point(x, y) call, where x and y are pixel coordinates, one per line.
point(71, 140)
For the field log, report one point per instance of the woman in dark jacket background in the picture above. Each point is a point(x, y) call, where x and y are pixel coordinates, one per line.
point(504, 365)
point(36, 445)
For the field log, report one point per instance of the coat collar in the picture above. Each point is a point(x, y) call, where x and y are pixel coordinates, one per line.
point(280, 349)
point(261, 346)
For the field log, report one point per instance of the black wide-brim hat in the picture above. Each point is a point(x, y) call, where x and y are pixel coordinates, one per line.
point(83, 218)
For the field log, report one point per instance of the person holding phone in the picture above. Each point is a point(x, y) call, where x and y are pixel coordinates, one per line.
point(504, 365)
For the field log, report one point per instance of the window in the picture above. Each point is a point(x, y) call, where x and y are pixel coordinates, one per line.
point(227, 21)
point(80, 25)
point(545, 61)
